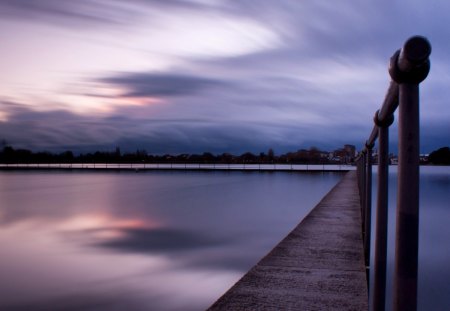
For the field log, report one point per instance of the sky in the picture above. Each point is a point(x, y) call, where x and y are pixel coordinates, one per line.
point(193, 76)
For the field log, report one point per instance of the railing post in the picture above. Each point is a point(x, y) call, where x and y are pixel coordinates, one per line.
point(408, 68)
point(379, 287)
point(363, 192)
point(368, 208)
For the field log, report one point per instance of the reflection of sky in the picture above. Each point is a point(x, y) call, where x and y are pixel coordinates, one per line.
point(434, 247)
point(162, 241)
point(219, 75)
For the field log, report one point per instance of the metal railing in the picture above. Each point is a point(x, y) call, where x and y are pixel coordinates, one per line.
point(408, 67)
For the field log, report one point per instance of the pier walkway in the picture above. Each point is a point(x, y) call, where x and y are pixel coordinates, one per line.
point(318, 266)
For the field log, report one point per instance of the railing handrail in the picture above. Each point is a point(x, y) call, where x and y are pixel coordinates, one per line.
point(408, 67)
point(412, 60)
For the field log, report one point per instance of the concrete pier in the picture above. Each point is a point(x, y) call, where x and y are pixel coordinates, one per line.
point(318, 266)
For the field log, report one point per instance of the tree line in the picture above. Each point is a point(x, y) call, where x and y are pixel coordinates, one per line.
point(440, 156)
point(311, 156)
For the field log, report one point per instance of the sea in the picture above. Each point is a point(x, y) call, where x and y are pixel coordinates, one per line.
point(174, 240)
point(434, 237)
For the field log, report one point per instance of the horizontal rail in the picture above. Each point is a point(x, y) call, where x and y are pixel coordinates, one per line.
point(408, 65)
point(386, 112)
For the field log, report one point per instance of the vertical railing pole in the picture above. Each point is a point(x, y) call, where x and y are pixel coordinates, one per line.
point(358, 174)
point(407, 234)
point(368, 208)
point(379, 287)
point(408, 68)
point(363, 194)
point(363, 181)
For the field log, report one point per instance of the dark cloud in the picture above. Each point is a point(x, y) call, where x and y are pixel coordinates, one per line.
point(86, 13)
point(81, 13)
point(161, 84)
point(131, 129)
point(27, 128)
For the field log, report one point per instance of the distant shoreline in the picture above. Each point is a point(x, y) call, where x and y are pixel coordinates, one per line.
point(179, 167)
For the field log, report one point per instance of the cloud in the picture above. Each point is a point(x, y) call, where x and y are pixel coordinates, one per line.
point(318, 83)
point(60, 129)
point(160, 84)
point(80, 12)
point(63, 12)
point(88, 14)
point(188, 131)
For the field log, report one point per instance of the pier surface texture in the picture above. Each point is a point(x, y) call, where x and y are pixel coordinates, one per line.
point(318, 266)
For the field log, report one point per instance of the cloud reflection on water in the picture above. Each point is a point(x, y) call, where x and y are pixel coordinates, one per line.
point(160, 240)
point(151, 241)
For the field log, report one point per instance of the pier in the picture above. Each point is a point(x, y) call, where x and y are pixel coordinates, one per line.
point(318, 266)
point(324, 263)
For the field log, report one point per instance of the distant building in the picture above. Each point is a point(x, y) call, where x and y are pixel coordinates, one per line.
point(393, 160)
point(344, 155)
point(423, 158)
point(350, 150)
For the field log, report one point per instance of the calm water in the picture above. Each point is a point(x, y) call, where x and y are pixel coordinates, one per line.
point(146, 241)
point(434, 237)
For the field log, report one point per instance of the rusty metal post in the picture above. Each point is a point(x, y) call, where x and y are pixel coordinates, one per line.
point(368, 209)
point(358, 174)
point(363, 192)
point(407, 233)
point(381, 226)
point(408, 68)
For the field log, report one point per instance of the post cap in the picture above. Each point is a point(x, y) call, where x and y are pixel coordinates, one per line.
point(416, 49)
point(411, 64)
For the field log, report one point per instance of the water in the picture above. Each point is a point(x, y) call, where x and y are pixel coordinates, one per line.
point(434, 235)
point(146, 241)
